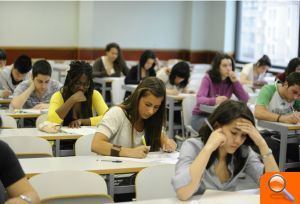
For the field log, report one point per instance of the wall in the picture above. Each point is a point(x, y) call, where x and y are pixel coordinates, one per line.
point(190, 30)
point(38, 24)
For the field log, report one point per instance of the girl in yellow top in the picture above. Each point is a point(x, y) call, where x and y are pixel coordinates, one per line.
point(77, 100)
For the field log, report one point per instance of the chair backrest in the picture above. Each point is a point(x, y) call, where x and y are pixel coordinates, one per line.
point(8, 122)
point(148, 178)
point(68, 185)
point(29, 147)
point(40, 119)
point(83, 145)
point(86, 199)
point(188, 105)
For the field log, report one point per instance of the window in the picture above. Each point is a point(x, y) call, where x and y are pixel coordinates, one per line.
point(267, 27)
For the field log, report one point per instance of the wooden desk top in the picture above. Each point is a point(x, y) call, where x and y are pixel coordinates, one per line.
point(5, 100)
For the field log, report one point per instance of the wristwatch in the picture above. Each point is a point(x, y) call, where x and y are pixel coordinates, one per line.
point(26, 199)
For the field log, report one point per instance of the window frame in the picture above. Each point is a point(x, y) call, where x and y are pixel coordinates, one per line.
point(237, 38)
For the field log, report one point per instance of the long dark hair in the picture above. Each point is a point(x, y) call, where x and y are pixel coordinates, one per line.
point(153, 125)
point(292, 65)
point(214, 72)
point(182, 70)
point(224, 114)
point(264, 61)
point(77, 69)
point(148, 54)
point(119, 63)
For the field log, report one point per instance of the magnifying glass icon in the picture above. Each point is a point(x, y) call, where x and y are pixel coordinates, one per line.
point(277, 184)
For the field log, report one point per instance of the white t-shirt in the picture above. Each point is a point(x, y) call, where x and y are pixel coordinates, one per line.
point(164, 76)
point(116, 126)
point(248, 70)
point(270, 98)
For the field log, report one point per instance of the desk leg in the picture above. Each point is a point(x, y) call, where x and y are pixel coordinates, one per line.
point(57, 148)
point(283, 149)
point(111, 185)
point(59, 75)
point(104, 91)
point(171, 118)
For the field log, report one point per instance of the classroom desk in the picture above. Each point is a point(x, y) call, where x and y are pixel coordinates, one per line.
point(104, 81)
point(60, 68)
point(250, 196)
point(289, 134)
point(207, 108)
point(91, 163)
point(24, 113)
point(5, 100)
point(25, 132)
point(170, 102)
point(129, 87)
point(115, 88)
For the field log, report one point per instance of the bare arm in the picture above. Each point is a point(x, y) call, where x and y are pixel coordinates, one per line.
point(198, 166)
point(101, 145)
point(66, 107)
point(197, 169)
point(18, 101)
point(22, 187)
point(261, 113)
point(244, 79)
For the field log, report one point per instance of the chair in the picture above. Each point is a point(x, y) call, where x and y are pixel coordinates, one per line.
point(40, 119)
point(8, 122)
point(148, 178)
point(70, 187)
point(29, 147)
point(188, 104)
point(83, 145)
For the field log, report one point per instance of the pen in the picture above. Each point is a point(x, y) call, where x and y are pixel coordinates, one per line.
point(115, 161)
point(144, 141)
point(209, 125)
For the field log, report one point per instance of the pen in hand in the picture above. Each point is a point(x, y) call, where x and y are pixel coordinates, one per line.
point(209, 125)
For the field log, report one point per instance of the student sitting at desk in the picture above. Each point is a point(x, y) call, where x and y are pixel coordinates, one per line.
point(217, 86)
point(12, 75)
point(176, 79)
point(216, 159)
point(2, 59)
point(143, 69)
point(253, 74)
point(13, 180)
point(36, 92)
point(112, 64)
point(279, 103)
point(74, 105)
point(293, 66)
point(128, 129)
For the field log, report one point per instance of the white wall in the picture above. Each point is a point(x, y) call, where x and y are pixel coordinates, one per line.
point(140, 24)
point(41, 24)
point(160, 25)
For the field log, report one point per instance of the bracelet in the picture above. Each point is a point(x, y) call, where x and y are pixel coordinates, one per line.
point(115, 150)
point(26, 199)
point(267, 154)
point(278, 117)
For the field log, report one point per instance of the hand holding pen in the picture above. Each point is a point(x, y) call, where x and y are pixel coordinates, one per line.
point(216, 139)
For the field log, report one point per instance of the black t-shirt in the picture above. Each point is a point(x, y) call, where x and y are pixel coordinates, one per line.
point(10, 169)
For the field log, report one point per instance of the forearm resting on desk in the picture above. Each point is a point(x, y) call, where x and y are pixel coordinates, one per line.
point(197, 169)
point(261, 113)
point(100, 145)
